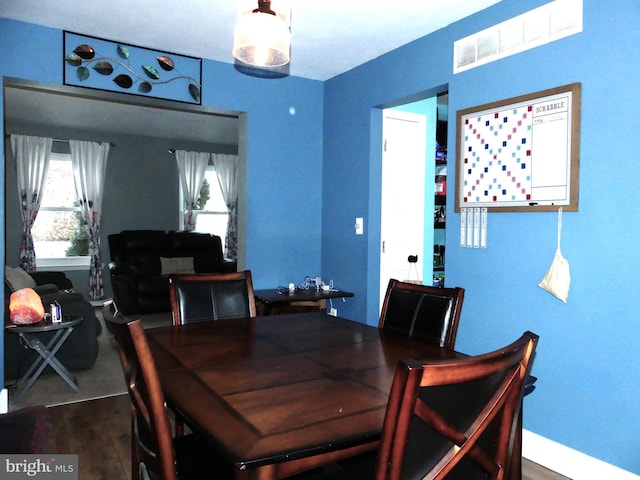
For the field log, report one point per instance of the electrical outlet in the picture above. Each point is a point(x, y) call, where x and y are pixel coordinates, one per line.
point(333, 312)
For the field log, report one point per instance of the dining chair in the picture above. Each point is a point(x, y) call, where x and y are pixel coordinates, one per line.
point(451, 420)
point(206, 297)
point(155, 453)
point(455, 419)
point(203, 297)
point(422, 312)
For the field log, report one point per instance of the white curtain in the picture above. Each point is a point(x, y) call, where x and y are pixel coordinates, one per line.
point(226, 167)
point(89, 162)
point(32, 161)
point(191, 166)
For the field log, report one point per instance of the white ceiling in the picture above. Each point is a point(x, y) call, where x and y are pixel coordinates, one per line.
point(329, 37)
point(43, 107)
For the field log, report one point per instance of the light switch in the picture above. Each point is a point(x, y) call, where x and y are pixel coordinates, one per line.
point(359, 226)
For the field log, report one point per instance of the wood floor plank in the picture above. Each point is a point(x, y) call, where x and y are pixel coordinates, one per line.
point(533, 471)
point(94, 460)
point(87, 426)
point(118, 412)
point(58, 441)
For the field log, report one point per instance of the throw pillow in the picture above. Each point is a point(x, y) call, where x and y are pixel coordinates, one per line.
point(18, 279)
point(178, 265)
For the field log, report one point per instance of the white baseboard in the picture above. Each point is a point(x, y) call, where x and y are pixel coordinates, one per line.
point(4, 401)
point(569, 462)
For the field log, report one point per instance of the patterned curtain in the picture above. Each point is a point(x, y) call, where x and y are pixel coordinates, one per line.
point(191, 167)
point(227, 170)
point(89, 162)
point(32, 161)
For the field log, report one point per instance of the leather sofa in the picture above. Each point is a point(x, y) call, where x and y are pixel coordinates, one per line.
point(142, 260)
point(79, 351)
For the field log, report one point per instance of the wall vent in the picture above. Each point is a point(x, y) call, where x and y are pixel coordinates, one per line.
point(553, 21)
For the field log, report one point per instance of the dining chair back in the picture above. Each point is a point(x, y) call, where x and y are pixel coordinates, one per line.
point(422, 312)
point(203, 297)
point(455, 419)
point(155, 453)
point(151, 429)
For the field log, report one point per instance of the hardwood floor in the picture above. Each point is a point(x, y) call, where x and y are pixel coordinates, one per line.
point(533, 471)
point(99, 431)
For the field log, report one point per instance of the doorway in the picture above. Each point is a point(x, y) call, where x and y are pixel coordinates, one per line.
point(402, 215)
point(426, 189)
point(151, 127)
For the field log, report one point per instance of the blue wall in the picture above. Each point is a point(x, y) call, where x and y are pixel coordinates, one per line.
point(587, 360)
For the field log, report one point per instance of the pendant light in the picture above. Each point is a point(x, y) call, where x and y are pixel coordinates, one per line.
point(263, 37)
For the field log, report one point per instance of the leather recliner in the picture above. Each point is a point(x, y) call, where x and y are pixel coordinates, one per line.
point(139, 272)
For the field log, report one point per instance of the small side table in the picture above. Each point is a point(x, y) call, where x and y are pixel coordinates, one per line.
point(274, 300)
point(47, 352)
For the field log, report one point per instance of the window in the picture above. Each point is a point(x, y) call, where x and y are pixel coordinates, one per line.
point(212, 214)
point(59, 235)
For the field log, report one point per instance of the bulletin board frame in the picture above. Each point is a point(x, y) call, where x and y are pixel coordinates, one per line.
point(521, 154)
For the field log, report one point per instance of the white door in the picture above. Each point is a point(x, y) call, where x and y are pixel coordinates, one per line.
point(403, 185)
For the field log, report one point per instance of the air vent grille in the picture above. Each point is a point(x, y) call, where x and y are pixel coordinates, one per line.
point(553, 21)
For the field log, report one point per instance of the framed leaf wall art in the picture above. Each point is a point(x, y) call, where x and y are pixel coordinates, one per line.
point(101, 64)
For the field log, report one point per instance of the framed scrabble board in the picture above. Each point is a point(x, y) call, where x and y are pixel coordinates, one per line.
point(520, 154)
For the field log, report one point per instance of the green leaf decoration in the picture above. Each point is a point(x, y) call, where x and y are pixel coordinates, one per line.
point(85, 51)
point(123, 81)
point(166, 63)
point(82, 73)
point(145, 87)
point(152, 72)
point(123, 52)
point(103, 67)
point(73, 59)
point(195, 92)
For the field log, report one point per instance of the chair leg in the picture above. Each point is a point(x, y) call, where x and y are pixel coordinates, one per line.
point(179, 425)
point(135, 459)
point(516, 456)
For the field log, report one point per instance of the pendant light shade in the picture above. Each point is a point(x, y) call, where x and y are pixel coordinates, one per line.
point(263, 37)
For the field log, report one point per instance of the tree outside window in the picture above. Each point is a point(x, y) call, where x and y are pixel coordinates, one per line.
point(211, 211)
point(59, 230)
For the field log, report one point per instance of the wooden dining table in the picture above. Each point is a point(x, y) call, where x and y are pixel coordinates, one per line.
point(283, 393)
